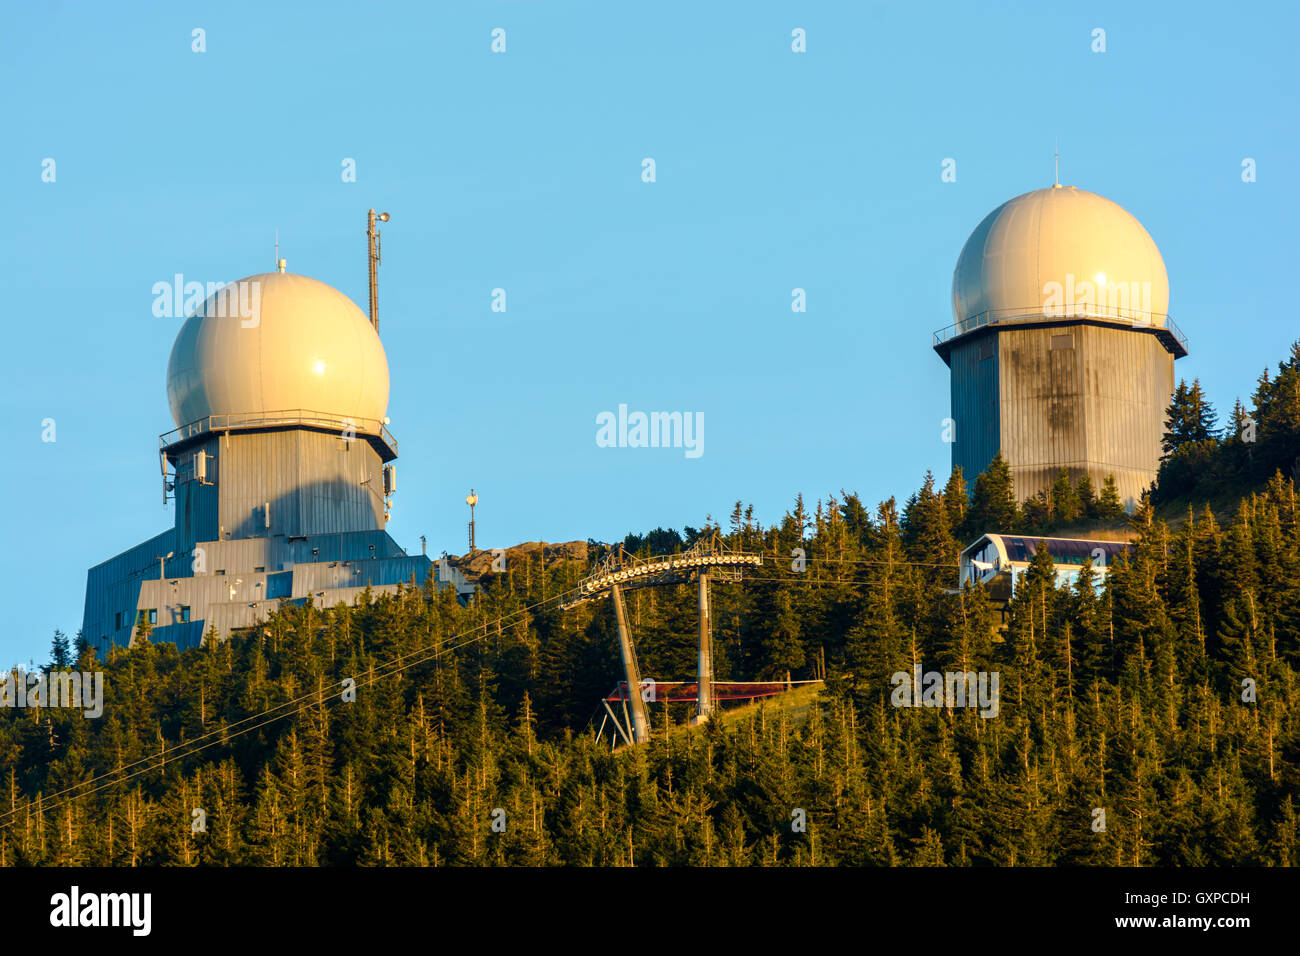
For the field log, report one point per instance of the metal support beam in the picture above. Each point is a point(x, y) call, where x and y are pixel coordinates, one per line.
point(640, 724)
point(704, 696)
point(617, 723)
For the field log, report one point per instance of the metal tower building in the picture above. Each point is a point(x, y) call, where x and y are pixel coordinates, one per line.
point(281, 466)
point(1062, 350)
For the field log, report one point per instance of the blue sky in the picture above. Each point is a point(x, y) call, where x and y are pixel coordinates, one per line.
point(522, 171)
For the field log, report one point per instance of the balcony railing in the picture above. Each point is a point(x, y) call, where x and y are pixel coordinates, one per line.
point(1162, 324)
point(280, 419)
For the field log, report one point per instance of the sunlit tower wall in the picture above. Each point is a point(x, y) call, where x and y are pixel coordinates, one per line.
point(1062, 348)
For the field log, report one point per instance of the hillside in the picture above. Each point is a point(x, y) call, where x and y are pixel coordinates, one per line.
point(1166, 700)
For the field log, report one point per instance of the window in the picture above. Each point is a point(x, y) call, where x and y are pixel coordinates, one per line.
point(183, 615)
point(986, 349)
point(262, 568)
point(117, 621)
point(221, 571)
point(146, 615)
point(1063, 341)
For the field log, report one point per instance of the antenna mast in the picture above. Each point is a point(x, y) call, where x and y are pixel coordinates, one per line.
point(1056, 175)
point(471, 499)
point(372, 238)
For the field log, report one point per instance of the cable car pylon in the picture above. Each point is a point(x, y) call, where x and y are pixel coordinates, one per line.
point(708, 560)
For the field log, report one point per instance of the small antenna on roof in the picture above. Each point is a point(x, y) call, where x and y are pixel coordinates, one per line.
point(279, 263)
point(1056, 175)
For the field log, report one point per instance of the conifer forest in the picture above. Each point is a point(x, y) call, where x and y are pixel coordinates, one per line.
point(1163, 699)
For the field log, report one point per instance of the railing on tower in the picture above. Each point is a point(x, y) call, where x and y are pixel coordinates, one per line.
point(1162, 324)
point(280, 419)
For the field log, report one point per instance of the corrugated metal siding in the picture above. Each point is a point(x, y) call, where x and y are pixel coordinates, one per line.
point(1083, 397)
point(975, 405)
point(342, 567)
point(326, 532)
point(280, 553)
point(232, 614)
point(1097, 407)
point(315, 483)
point(349, 595)
point(197, 507)
point(114, 586)
point(311, 578)
point(1128, 387)
point(184, 636)
point(229, 615)
point(279, 585)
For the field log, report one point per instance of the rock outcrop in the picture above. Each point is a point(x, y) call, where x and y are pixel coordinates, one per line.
point(478, 564)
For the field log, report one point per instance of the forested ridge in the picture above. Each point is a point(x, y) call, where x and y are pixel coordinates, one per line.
point(1165, 698)
point(1129, 700)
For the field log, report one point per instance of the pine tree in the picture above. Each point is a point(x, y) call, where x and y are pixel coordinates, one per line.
point(1205, 419)
point(1124, 694)
point(926, 533)
point(1065, 502)
point(60, 652)
point(1036, 514)
point(1190, 419)
point(993, 505)
point(782, 652)
point(1277, 411)
point(1178, 426)
point(957, 503)
point(1087, 496)
point(1109, 507)
point(1239, 442)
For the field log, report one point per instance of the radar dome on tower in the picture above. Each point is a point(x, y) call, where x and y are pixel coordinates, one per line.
point(1062, 235)
point(303, 346)
point(1062, 350)
point(281, 466)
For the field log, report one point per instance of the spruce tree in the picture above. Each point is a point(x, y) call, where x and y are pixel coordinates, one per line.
point(926, 534)
point(1109, 507)
point(1277, 411)
point(1065, 503)
point(60, 652)
point(1037, 513)
point(993, 505)
point(1106, 701)
point(1189, 419)
point(957, 503)
point(1086, 496)
point(1239, 443)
